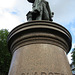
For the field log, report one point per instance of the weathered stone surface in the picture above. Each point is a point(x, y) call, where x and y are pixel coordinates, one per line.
point(38, 48)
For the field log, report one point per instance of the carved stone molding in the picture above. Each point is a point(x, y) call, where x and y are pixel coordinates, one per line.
point(43, 32)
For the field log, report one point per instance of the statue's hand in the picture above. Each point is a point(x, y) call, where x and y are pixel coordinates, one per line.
point(36, 12)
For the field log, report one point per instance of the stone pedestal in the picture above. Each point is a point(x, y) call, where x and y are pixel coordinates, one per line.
point(39, 48)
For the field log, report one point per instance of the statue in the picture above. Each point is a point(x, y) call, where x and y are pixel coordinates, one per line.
point(41, 11)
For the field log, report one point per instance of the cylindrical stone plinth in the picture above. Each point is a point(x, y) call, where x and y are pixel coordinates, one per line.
point(39, 48)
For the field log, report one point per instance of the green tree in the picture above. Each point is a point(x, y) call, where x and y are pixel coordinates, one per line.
point(5, 56)
point(73, 56)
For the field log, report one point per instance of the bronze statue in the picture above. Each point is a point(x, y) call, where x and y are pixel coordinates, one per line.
point(41, 11)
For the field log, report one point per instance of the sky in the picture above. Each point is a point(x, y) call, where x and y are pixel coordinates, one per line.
point(13, 13)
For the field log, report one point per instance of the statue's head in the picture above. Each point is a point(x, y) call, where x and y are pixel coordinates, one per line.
point(31, 1)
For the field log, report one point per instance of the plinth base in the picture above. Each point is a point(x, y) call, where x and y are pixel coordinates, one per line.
point(39, 48)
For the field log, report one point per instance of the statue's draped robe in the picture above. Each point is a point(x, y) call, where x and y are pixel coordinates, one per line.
point(43, 8)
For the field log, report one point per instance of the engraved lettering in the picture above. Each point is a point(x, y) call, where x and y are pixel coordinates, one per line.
point(50, 73)
point(23, 74)
point(43, 73)
point(35, 73)
point(27, 73)
point(56, 73)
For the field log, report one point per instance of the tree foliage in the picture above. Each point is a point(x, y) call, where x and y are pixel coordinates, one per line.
point(73, 56)
point(5, 56)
